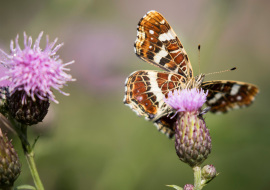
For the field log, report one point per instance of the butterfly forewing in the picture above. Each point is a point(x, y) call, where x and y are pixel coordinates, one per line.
point(227, 95)
point(158, 44)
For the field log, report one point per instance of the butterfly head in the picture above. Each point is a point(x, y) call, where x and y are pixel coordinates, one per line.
point(195, 82)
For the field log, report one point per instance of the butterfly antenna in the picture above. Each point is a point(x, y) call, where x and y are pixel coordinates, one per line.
point(199, 59)
point(232, 69)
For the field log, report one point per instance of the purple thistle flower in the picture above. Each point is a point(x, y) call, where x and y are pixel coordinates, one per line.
point(186, 100)
point(35, 71)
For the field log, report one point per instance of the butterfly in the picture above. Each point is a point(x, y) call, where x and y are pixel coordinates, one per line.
point(157, 44)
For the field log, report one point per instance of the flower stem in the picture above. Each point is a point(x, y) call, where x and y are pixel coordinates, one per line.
point(29, 154)
point(197, 178)
point(33, 169)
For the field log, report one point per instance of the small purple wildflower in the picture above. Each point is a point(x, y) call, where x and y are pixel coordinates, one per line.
point(35, 71)
point(186, 100)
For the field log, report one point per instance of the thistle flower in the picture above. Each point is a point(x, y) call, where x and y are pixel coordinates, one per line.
point(10, 167)
point(192, 139)
point(35, 71)
point(33, 74)
point(186, 100)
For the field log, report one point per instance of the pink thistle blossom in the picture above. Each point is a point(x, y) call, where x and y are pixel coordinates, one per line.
point(35, 71)
point(186, 100)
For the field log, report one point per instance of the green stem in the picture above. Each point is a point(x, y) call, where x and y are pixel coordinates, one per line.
point(197, 178)
point(33, 169)
point(29, 154)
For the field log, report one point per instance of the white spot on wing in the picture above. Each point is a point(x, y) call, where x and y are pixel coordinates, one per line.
point(235, 89)
point(170, 35)
point(162, 37)
point(162, 22)
point(162, 53)
point(238, 98)
point(175, 51)
point(151, 31)
point(215, 98)
point(154, 86)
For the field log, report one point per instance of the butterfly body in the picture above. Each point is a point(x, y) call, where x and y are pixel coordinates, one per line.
point(145, 90)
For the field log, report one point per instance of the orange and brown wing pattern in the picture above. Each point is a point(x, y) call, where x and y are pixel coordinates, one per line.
point(225, 95)
point(158, 44)
point(144, 94)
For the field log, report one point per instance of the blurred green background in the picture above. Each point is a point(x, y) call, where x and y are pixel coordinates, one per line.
point(92, 141)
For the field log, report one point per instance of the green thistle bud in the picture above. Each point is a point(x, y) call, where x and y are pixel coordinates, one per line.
point(192, 139)
point(208, 173)
point(188, 187)
point(26, 110)
point(10, 167)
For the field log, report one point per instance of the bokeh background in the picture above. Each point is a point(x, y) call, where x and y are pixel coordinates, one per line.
point(92, 141)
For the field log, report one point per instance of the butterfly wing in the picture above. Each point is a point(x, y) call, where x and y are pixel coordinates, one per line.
point(226, 95)
point(158, 44)
point(166, 124)
point(144, 94)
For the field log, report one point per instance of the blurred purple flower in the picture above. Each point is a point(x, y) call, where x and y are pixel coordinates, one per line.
point(33, 70)
point(186, 100)
point(102, 53)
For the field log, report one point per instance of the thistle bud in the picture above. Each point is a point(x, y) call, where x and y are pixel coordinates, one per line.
point(188, 187)
point(208, 173)
point(192, 139)
point(26, 110)
point(10, 167)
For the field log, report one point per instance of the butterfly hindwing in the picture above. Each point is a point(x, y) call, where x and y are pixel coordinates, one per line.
point(166, 124)
point(145, 91)
point(158, 44)
point(226, 95)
